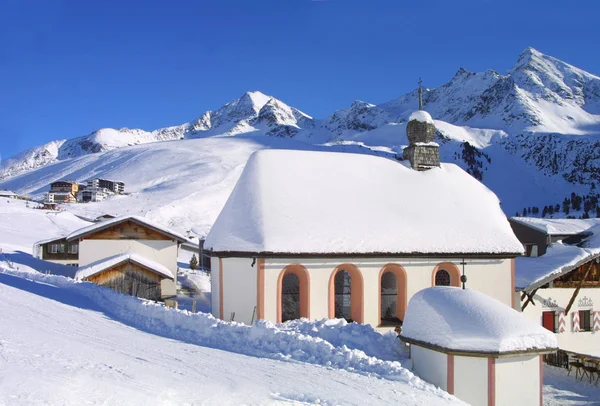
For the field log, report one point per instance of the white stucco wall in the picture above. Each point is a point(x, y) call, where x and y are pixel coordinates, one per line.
point(471, 379)
point(239, 289)
point(518, 381)
point(161, 251)
point(492, 277)
point(557, 299)
point(215, 293)
point(430, 365)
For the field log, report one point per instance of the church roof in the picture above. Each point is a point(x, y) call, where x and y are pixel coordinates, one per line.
point(558, 226)
point(327, 203)
point(453, 319)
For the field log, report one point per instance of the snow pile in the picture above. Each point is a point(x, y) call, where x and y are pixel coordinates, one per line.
point(322, 202)
point(421, 116)
point(558, 226)
point(103, 264)
point(263, 339)
point(466, 320)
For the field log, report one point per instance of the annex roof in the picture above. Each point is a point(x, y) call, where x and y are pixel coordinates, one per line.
point(558, 226)
point(320, 203)
point(559, 259)
point(453, 319)
point(110, 262)
point(111, 222)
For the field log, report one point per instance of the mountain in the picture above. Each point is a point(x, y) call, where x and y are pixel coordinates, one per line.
point(532, 135)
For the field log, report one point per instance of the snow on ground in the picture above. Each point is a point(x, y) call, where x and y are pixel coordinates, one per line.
point(70, 340)
point(560, 389)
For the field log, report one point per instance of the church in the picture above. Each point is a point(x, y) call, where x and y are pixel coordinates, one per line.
point(338, 235)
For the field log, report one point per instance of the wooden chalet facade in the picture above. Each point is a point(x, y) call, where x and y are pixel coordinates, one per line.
point(560, 288)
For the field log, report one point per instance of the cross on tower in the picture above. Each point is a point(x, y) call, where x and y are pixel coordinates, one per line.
point(420, 95)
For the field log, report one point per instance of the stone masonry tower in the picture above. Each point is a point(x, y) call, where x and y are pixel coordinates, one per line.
point(422, 152)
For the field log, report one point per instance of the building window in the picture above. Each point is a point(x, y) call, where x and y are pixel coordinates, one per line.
point(585, 320)
point(56, 248)
point(549, 321)
point(75, 265)
point(73, 248)
point(290, 297)
point(343, 290)
point(442, 278)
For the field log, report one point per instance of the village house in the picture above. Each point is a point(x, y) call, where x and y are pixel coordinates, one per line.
point(337, 235)
point(558, 281)
point(128, 254)
point(8, 194)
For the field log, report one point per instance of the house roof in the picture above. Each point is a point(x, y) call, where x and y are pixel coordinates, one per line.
point(324, 203)
point(557, 226)
point(111, 222)
point(110, 262)
point(6, 193)
point(559, 259)
point(453, 319)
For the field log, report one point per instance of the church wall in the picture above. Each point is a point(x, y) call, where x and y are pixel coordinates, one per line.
point(556, 300)
point(517, 380)
point(492, 277)
point(239, 288)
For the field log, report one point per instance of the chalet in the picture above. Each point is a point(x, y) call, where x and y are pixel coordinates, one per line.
point(128, 254)
point(559, 281)
point(339, 235)
point(8, 194)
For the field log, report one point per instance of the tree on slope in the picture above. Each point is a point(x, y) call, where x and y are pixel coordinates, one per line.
point(194, 262)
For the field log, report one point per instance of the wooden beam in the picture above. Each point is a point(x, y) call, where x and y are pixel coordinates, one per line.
point(529, 299)
point(523, 295)
point(579, 287)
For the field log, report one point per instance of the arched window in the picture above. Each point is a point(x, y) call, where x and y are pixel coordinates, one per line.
point(293, 293)
point(346, 293)
point(290, 297)
point(445, 274)
point(343, 298)
point(442, 278)
point(389, 298)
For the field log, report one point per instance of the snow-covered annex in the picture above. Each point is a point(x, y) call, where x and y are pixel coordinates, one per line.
point(336, 235)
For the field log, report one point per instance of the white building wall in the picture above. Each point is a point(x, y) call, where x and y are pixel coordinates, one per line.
point(471, 380)
point(239, 289)
point(518, 381)
point(215, 292)
point(430, 365)
point(162, 251)
point(557, 299)
point(492, 277)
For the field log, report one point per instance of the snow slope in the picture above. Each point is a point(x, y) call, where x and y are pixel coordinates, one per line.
point(63, 349)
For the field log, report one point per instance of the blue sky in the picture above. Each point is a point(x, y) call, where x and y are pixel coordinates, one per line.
point(68, 68)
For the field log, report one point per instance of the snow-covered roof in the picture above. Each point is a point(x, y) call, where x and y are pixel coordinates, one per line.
point(558, 226)
point(7, 193)
point(559, 259)
point(103, 264)
point(421, 116)
point(469, 321)
point(309, 202)
point(137, 219)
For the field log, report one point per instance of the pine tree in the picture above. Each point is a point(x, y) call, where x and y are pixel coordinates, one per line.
point(194, 262)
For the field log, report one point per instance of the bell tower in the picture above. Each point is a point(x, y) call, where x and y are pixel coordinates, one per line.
point(422, 152)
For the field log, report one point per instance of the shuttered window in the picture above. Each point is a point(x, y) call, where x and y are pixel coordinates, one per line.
point(585, 320)
point(548, 321)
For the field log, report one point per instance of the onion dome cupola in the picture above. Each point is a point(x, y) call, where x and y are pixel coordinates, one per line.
point(422, 152)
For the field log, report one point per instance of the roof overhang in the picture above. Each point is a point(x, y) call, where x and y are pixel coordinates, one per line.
point(268, 254)
point(482, 354)
point(107, 224)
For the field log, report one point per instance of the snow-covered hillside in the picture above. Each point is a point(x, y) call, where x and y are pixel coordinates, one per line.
point(532, 135)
